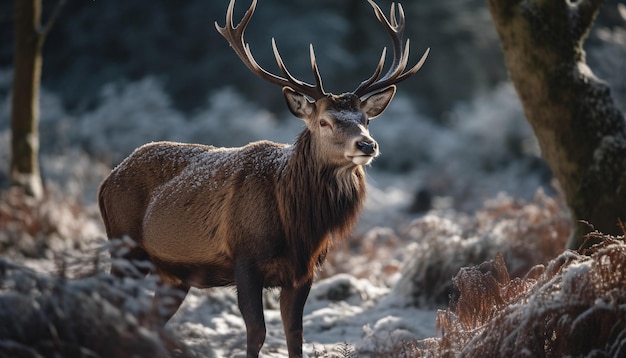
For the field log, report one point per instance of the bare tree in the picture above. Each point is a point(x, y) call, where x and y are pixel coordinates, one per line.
point(29, 39)
point(581, 132)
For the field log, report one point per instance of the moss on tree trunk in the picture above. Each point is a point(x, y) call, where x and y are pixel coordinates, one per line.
point(581, 132)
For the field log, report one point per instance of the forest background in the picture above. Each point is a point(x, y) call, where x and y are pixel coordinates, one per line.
point(117, 75)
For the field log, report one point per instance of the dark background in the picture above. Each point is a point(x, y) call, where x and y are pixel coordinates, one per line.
point(98, 42)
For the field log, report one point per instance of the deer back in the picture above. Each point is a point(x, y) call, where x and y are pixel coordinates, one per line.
point(196, 204)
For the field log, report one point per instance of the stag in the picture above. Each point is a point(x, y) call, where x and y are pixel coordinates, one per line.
point(262, 215)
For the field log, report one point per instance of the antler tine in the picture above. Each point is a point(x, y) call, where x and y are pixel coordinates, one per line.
point(319, 88)
point(234, 36)
point(415, 68)
point(395, 28)
point(376, 75)
point(316, 72)
point(392, 15)
point(281, 65)
point(231, 33)
point(395, 31)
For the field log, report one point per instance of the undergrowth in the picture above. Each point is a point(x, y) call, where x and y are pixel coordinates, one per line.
point(420, 260)
point(75, 308)
point(532, 299)
point(95, 315)
point(573, 306)
point(40, 228)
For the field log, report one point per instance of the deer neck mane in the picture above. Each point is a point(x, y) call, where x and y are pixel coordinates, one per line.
point(320, 202)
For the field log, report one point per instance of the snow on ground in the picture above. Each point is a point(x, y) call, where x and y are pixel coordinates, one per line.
point(340, 309)
point(485, 148)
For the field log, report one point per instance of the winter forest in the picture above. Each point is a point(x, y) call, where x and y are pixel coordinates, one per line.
point(492, 224)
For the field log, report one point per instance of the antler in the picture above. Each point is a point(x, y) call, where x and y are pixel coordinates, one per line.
point(234, 36)
point(396, 73)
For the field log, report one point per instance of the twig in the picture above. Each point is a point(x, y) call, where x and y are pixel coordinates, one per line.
point(586, 11)
point(620, 224)
point(43, 32)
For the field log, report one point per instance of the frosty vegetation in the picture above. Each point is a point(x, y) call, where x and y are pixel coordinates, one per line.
point(574, 306)
point(383, 305)
point(461, 217)
point(81, 311)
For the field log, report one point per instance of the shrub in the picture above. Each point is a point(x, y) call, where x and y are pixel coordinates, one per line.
point(96, 315)
point(40, 228)
point(526, 234)
point(573, 306)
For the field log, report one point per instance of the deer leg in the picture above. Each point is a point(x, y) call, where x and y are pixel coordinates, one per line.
point(292, 300)
point(167, 300)
point(129, 262)
point(250, 299)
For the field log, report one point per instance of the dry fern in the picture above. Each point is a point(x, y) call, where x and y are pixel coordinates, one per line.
point(526, 234)
point(42, 228)
point(574, 306)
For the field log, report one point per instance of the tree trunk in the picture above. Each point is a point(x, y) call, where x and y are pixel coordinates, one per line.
point(25, 105)
point(581, 132)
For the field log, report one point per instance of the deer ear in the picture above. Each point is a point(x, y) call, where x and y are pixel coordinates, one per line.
point(376, 103)
point(298, 104)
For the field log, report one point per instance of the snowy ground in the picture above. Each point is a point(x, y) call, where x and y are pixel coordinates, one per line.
point(459, 164)
point(343, 312)
point(340, 309)
point(360, 301)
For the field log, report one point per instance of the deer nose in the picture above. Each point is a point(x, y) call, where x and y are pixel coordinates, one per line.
point(366, 146)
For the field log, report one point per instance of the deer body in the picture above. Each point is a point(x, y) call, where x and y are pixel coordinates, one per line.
point(262, 215)
point(209, 205)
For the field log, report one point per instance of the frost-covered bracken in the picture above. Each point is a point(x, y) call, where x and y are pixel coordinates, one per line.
point(526, 234)
point(573, 306)
point(95, 315)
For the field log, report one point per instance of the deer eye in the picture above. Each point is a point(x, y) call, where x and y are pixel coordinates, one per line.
point(323, 123)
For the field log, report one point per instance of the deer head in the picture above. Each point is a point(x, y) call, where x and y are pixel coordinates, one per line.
point(338, 121)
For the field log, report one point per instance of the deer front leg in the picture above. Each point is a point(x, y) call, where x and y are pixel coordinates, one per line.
point(292, 300)
point(250, 299)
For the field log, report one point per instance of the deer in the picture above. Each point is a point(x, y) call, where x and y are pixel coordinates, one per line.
point(259, 216)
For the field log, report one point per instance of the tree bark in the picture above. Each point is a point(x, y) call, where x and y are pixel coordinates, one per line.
point(581, 133)
point(25, 105)
point(29, 39)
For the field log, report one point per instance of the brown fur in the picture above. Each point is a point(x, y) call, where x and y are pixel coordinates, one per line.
point(325, 205)
point(283, 213)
